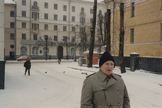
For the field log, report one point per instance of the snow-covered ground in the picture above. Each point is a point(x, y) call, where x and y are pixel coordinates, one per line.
point(59, 86)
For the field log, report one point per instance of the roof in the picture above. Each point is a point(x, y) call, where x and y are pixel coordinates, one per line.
point(9, 2)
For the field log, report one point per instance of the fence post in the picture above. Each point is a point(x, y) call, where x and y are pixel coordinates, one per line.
point(133, 61)
point(2, 74)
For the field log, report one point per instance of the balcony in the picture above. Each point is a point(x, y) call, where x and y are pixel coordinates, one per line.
point(35, 31)
point(35, 8)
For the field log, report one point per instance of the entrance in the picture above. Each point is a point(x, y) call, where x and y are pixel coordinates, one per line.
point(11, 55)
point(60, 52)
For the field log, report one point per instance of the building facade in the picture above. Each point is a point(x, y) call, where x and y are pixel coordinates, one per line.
point(142, 26)
point(10, 31)
point(50, 27)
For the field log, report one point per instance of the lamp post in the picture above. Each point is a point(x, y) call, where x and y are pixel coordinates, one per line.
point(57, 45)
point(75, 45)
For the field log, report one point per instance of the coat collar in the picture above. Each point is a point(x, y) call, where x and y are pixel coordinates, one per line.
point(103, 76)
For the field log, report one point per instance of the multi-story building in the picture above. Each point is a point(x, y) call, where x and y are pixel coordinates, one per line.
point(48, 27)
point(142, 25)
point(10, 31)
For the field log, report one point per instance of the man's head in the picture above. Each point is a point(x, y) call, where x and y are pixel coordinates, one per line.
point(107, 63)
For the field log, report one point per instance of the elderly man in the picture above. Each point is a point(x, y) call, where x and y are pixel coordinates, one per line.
point(104, 89)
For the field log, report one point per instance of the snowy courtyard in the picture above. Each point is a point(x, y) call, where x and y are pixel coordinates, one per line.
point(53, 85)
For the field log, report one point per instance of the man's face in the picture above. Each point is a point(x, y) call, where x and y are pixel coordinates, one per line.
point(107, 67)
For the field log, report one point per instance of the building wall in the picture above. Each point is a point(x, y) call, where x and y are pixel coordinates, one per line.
point(8, 30)
point(2, 29)
point(147, 28)
point(51, 22)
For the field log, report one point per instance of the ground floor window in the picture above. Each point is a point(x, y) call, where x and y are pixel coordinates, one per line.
point(72, 52)
point(44, 51)
point(35, 50)
point(23, 50)
point(81, 52)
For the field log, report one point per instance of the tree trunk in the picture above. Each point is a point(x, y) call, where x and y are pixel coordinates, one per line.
point(108, 24)
point(121, 43)
point(92, 39)
point(105, 28)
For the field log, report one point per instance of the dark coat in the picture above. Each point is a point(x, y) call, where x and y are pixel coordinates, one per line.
point(97, 92)
point(27, 64)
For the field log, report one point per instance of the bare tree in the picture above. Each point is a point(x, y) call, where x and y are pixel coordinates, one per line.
point(121, 43)
point(92, 39)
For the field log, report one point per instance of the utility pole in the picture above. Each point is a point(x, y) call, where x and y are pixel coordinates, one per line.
point(75, 45)
point(57, 45)
point(46, 37)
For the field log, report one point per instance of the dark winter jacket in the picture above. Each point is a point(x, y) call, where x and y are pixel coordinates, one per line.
point(27, 64)
point(97, 93)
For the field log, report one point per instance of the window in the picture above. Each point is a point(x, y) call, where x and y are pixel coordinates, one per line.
point(73, 18)
point(35, 51)
point(64, 8)
point(73, 39)
point(82, 20)
point(12, 25)
point(24, 36)
point(64, 17)
point(23, 13)
point(132, 36)
point(91, 11)
point(82, 10)
point(45, 26)
point(73, 29)
point(55, 27)
point(82, 30)
point(12, 36)
point(132, 9)
point(45, 15)
point(91, 20)
point(23, 50)
point(55, 6)
point(55, 38)
point(46, 5)
point(12, 13)
point(73, 8)
point(35, 4)
point(64, 28)
point(23, 24)
point(35, 26)
point(24, 2)
point(55, 16)
point(35, 37)
point(45, 37)
point(35, 15)
point(65, 38)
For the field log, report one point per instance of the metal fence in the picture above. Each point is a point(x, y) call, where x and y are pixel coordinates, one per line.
point(144, 63)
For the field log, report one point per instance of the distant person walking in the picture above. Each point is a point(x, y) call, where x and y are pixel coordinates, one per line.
point(27, 66)
point(59, 60)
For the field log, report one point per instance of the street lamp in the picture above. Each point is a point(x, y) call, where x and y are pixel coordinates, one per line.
point(75, 43)
point(57, 44)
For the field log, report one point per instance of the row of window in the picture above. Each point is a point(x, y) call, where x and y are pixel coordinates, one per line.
point(23, 51)
point(35, 15)
point(35, 37)
point(35, 4)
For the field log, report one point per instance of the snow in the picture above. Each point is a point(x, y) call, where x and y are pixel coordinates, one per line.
point(61, 86)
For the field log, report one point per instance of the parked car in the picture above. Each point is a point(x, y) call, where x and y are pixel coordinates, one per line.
point(21, 58)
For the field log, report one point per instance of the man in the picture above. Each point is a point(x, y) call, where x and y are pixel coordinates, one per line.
point(104, 89)
point(27, 66)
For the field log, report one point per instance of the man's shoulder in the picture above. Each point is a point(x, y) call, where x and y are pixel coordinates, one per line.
point(91, 75)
